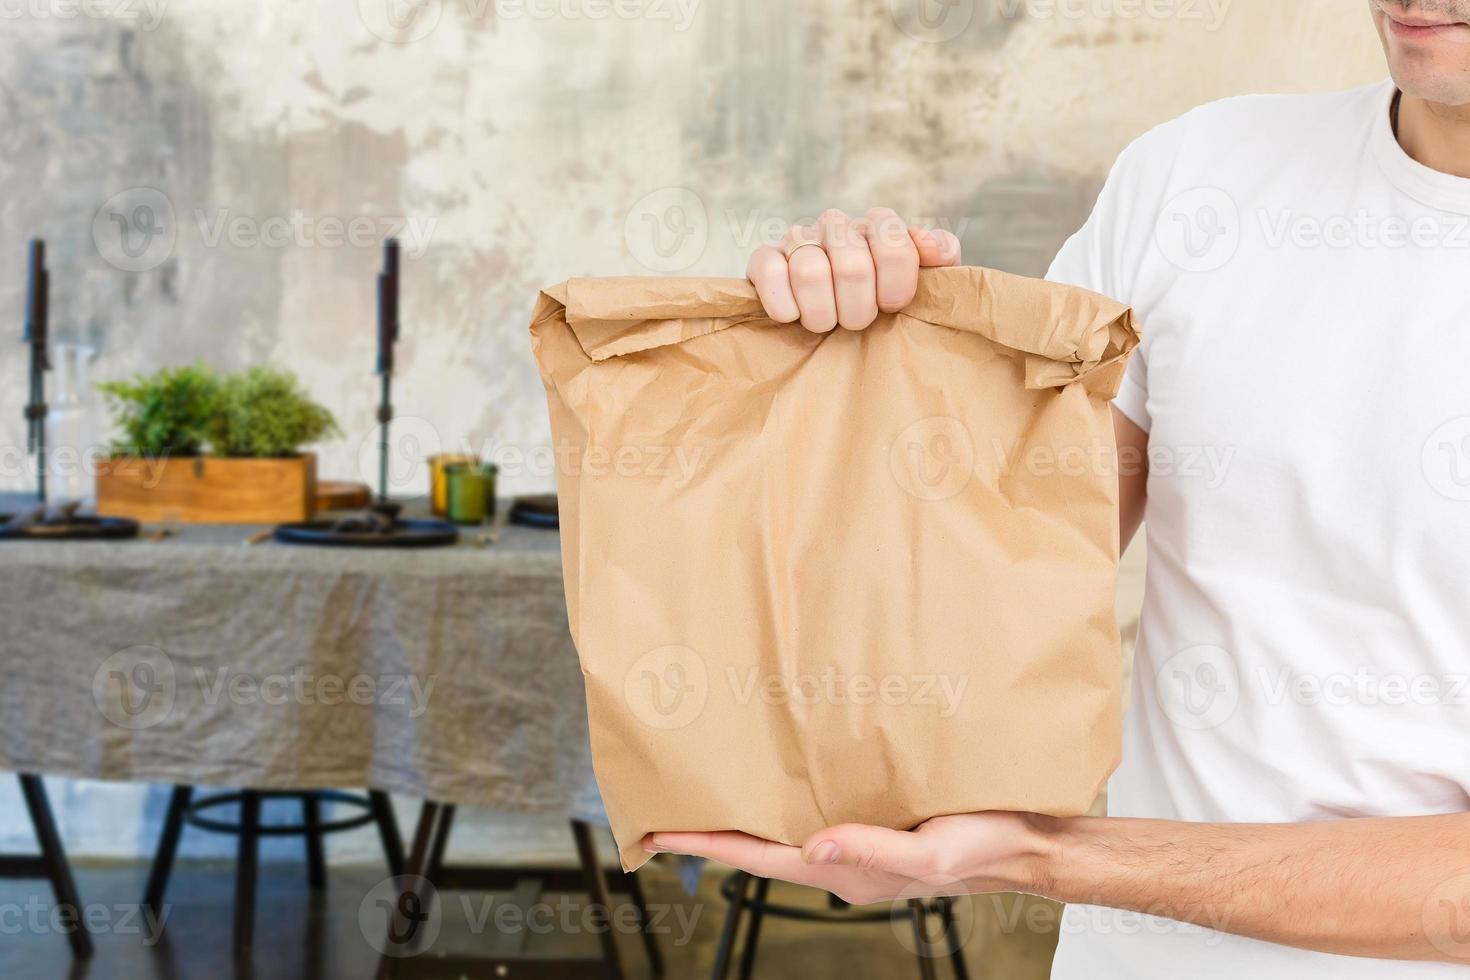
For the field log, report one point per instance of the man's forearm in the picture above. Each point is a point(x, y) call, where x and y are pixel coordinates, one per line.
point(1396, 888)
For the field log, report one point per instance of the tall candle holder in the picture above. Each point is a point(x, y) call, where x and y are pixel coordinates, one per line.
point(41, 521)
point(380, 526)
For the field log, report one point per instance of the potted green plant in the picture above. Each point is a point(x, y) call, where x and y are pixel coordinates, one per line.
point(200, 447)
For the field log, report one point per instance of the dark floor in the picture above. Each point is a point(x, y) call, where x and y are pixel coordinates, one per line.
point(319, 937)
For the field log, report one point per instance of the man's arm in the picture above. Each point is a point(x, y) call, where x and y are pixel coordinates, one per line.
point(1391, 888)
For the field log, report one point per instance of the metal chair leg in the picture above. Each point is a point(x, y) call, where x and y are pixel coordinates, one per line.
point(168, 848)
point(53, 857)
point(441, 841)
point(387, 821)
point(753, 931)
point(597, 895)
point(956, 947)
point(403, 933)
point(650, 941)
point(724, 953)
point(311, 821)
point(246, 867)
point(920, 915)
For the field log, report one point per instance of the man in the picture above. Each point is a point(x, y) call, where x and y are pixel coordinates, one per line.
point(1294, 797)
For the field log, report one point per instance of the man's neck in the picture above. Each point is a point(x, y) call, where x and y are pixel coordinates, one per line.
point(1437, 136)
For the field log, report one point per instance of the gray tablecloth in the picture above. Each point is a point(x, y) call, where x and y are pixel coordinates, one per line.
point(445, 673)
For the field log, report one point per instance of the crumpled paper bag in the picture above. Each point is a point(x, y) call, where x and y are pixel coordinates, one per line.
point(860, 576)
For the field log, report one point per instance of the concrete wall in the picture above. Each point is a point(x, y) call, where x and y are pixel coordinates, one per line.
point(257, 153)
point(520, 142)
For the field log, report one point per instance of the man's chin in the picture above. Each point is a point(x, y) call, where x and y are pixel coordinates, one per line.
point(1419, 79)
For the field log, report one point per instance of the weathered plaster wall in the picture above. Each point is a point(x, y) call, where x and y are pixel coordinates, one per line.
point(531, 140)
point(529, 148)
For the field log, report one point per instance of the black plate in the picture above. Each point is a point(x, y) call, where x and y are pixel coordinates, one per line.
point(536, 511)
point(80, 529)
point(532, 518)
point(410, 534)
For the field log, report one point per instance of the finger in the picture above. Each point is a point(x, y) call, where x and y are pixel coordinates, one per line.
point(772, 279)
point(811, 282)
point(866, 848)
point(895, 259)
point(762, 858)
point(853, 277)
point(937, 248)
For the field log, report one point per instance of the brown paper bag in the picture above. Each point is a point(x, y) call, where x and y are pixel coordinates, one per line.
point(861, 576)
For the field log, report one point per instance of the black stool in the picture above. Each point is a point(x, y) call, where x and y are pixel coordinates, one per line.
point(51, 864)
point(736, 890)
point(377, 809)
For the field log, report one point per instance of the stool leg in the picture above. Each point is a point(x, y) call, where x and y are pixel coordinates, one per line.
point(168, 848)
point(387, 821)
point(402, 935)
point(316, 862)
point(597, 895)
point(726, 948)
point(753, 931)
point(650, 941)
point(245, 871)
point(54, 857)
point(952, 939)
point(920, 915)
point(441, 841)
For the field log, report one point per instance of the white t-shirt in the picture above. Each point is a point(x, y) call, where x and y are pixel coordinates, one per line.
point(1303, 288)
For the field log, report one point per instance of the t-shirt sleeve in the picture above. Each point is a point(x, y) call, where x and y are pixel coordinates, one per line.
point(1108, 252)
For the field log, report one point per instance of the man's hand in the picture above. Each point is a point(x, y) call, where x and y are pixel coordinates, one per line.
point(844, 271)
point(959, 855)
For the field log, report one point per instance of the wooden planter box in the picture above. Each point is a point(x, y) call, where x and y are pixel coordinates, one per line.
point(207, 489)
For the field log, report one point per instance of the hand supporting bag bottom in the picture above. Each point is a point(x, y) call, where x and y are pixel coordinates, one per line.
point(861, 576)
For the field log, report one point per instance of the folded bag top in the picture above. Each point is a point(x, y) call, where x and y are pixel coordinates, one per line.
point(860, 576)
point(1069, 334)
